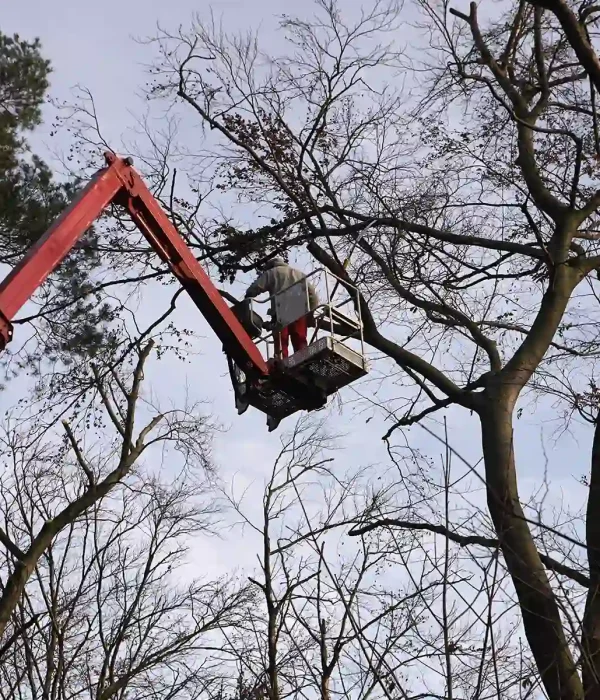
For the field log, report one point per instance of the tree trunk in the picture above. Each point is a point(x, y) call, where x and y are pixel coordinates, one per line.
point(541, 618)
point(325, 694)
point(590, 641)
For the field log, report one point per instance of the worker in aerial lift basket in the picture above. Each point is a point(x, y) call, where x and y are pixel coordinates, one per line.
point(277, 276)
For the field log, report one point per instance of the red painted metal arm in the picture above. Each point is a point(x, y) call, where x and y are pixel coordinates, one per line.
point(45, 255)
point(121, 184)
point(152, 221)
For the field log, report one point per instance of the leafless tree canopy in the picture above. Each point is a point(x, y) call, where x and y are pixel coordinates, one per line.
point(89, 538)
point(453, 151)
point(462, 142)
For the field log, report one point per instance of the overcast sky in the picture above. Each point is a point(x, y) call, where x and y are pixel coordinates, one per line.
point(92, 44)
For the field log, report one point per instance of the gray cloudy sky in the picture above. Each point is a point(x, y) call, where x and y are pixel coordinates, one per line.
point(92, 44)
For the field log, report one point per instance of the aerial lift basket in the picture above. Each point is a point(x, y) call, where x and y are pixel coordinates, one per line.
point(335, 356)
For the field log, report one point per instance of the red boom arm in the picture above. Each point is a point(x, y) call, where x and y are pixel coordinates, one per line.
point(121, 184)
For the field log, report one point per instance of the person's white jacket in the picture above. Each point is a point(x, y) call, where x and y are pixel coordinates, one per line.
point(278, 275)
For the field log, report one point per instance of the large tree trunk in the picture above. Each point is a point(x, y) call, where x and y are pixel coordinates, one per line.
point(539, 609)
point(590, 641)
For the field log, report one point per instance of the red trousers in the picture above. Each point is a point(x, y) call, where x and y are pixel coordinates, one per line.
point(297, 331)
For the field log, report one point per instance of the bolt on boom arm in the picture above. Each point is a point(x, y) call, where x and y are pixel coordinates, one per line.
point(119, 183)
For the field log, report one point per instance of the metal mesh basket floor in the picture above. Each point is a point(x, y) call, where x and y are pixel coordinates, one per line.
point(328, 364)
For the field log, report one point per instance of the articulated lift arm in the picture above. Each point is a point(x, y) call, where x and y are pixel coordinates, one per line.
point(118, 182)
